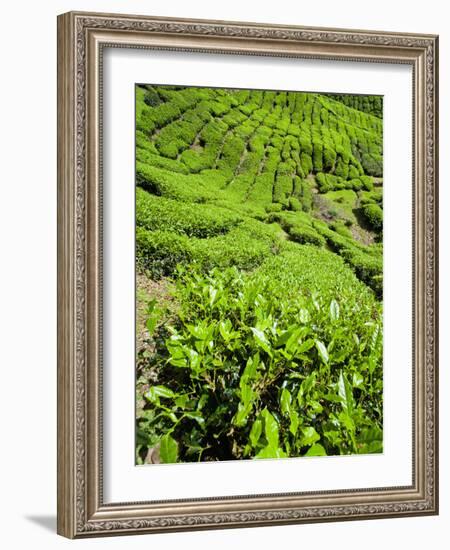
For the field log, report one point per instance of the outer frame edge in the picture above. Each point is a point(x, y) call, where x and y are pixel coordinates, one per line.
point(68, 489)
point(65, 370)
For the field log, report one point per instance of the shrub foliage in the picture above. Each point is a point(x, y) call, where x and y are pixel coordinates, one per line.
point(259, 219)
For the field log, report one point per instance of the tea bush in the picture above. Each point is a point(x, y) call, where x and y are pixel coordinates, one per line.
point(242, 374)
point(369, 104)
point(199, 220)
point(245, 246)
point(374, 215)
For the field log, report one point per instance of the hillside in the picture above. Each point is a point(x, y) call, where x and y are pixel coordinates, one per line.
point(259, 253)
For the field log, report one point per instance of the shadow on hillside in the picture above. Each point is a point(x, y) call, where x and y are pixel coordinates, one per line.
point(366, 227)
point(361, 219)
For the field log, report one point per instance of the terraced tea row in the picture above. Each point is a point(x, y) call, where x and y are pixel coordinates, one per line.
point(255, 152)
point(246, 135)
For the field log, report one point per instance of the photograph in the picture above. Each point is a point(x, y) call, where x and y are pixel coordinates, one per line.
point(259, 274)
point(247, 272)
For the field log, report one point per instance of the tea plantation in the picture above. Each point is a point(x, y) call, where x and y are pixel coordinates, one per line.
point(259, 219)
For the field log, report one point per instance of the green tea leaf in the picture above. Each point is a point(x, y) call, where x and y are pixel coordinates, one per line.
point(375, 334)
point(181, 362)
point(285, 401)
point(240, 418)
point(292, 342)
point(195, 415)
point(305, 346)
point(212, 295)
point(168, 449)
point(347, 421)
point(315, 301)
point(261, 339)
point(373, 433)
point(195, 360)
point(271, 452)
point(373, 447)
point(151, 306)
point(177, 357)
point(316, 450)
point(333, 436)
point(246, 393)
point(357, 379)
point(255, 432)
point(182, 400)
point(334, 310)
point(225, 329)
point(345, 393)
point(295, 420)
point(308, 384)
point(171, 415)
point(370, 440)
point(155, 392)
point(323, 353)
point(284, 337)
point(251, 368)
point(309, 436)
point(315, 407)
point(246, 404)
point(303, 315)
point(270, 428)
point(332, 397)
point(151, 324)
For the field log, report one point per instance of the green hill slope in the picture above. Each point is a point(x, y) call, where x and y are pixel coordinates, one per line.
point(258, 212)
point(261, 154)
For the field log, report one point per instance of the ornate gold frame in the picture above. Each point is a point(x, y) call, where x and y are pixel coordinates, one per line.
point(81, 37)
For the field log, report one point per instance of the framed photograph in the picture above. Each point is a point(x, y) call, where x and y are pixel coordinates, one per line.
point(247, 276)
